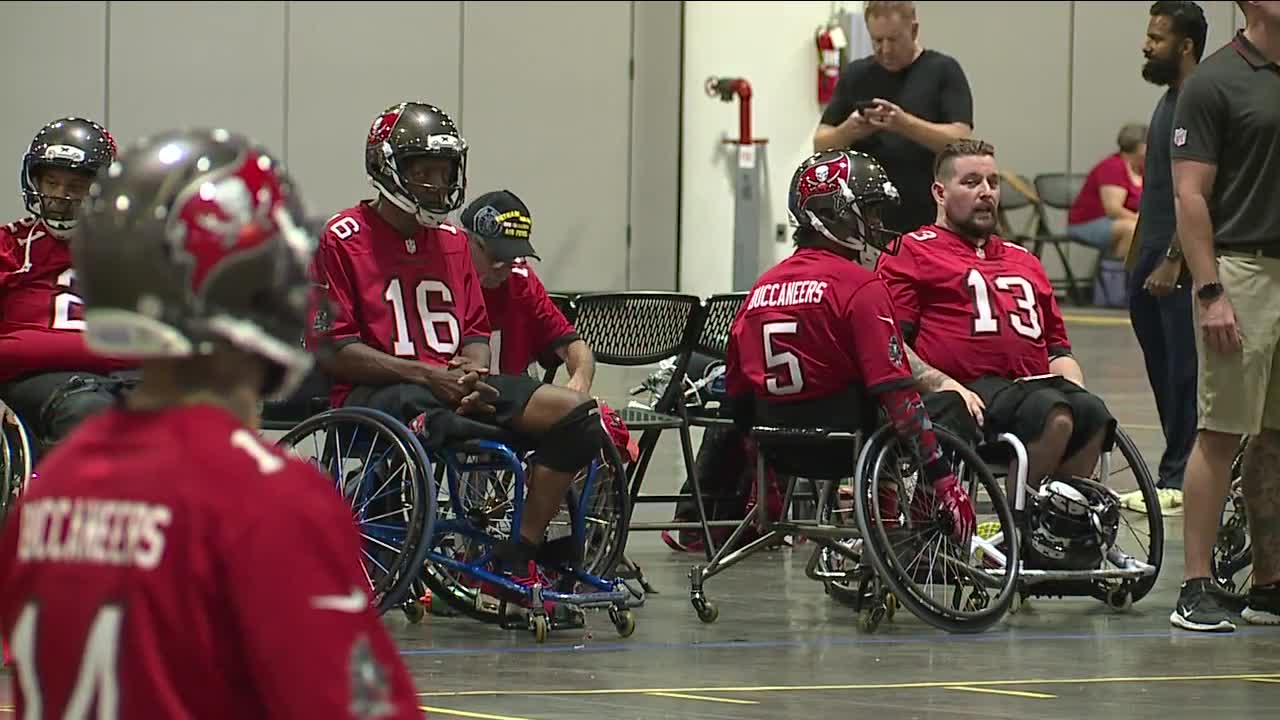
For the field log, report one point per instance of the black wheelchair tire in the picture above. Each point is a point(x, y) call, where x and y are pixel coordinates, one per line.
point(887, 565)
point(423, 514)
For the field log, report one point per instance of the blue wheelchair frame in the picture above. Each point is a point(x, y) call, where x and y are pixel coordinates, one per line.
point(610, 593)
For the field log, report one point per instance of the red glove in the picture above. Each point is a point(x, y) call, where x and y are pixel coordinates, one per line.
point(954, 502)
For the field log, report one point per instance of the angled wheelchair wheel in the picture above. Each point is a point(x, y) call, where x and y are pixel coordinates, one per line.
point(1232, 557)
point(381, 469)
point(953, 588)
point(1139, 537)
point(15, 458)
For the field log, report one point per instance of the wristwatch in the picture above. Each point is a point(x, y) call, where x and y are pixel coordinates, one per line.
point(1209, 291)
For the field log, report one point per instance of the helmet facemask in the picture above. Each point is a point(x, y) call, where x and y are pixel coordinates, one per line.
point(425, 189)
point(858, 226)
point(53, 191)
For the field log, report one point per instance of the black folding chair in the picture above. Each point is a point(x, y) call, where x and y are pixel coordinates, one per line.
point(1059, 191)
point(631, 329)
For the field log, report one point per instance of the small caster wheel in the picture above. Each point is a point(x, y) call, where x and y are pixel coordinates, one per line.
point(869, 619)
point(1021, 603)
point(540, 628)
point(707, 611)
point(891, 606)
point(413, 611)
point(624, 621)
point(1120, 600)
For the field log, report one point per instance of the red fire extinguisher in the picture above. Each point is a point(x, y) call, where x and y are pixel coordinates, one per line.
point(830, 41)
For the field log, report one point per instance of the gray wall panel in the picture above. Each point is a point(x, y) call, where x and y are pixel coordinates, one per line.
point(344, 69)
point(40, 84)
point(209, 64)
point(545, 109)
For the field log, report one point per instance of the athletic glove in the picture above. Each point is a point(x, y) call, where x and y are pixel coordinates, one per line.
point(954, 502)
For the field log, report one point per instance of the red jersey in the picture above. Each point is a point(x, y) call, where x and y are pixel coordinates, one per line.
point(974, 311)
point(1112, 170)
point(167, 564)
point(41, 316)
point(813, 325)
point(416, 298)
point(526, 325)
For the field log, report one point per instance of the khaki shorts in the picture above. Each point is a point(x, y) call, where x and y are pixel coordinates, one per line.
point(1239, 394)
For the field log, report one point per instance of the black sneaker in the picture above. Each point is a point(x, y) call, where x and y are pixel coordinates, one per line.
point(1263, 605)
point(1198, 609)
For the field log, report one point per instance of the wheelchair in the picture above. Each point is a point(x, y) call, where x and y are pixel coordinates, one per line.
point(17, 457)
point(1074, 539)
point(431, 517)
point(1231, 561)
point(873, 562)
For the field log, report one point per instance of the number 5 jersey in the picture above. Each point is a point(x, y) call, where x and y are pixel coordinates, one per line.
point(974, 311)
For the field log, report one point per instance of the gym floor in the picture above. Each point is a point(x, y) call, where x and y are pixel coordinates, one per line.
point(782, 649)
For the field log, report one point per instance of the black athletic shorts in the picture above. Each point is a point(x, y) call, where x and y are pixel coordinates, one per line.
point(1023, 407)
point(406, 401)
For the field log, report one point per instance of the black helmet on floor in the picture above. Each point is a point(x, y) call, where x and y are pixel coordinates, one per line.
point(71, 143)
point(410, 130)
point(191, 237)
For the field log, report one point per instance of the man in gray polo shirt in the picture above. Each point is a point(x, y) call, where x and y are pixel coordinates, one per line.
point(1226, 178)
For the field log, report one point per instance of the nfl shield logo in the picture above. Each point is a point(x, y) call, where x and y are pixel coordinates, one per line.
point(411, 245)
point(1179, 137)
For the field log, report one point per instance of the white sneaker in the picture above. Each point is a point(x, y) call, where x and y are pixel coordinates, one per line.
point(1170, 501)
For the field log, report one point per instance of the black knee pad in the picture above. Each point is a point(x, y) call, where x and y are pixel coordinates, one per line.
point(71, 403)
point(1089, 414)
point(571, 443)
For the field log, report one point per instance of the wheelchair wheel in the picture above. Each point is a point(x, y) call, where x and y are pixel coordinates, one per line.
point(953, 588)
point(15, 459)
point(379, 466)
point(1232, 557)
point(836, 509)
point(1140, 535)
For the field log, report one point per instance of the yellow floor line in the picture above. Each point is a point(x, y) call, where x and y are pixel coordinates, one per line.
point(1099, 320)
point(1264, 680)
point(1015, 693)
point(683, 696)
point(465, 714)
point(862, 686)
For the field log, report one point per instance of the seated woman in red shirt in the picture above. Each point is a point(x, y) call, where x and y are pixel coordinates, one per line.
point(1105, 212)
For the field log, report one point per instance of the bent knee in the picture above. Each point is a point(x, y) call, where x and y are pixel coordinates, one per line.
point(1059, 424)
point(574, 439)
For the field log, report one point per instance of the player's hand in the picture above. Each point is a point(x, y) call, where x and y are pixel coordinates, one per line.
point(954, 502)
point(466, 364)
point(972, 400)
point(1164, 278)
point(464, 391)
point(1219, 325)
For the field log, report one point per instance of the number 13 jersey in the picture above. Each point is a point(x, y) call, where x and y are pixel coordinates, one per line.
point(416, 298)
point(974, 311)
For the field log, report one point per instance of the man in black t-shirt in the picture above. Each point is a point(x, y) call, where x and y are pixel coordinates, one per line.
point(901, 105)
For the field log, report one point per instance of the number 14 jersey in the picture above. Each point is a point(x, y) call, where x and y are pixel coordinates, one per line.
point(974, 311)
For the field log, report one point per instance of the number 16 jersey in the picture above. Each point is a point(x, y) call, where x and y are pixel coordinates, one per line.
point(974, 311)
point(416, 298)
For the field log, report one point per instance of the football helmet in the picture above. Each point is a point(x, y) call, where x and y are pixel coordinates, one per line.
point(194, 236)
point(839, 193)
point(72, 143)
point(408, 130)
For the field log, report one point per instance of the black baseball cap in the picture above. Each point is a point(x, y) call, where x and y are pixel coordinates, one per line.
point(502, 221)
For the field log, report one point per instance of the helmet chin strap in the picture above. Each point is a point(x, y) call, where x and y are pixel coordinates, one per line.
point(424, 217)
point(850, 242)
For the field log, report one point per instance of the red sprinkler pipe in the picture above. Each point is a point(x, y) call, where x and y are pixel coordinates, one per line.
point(726, 89)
